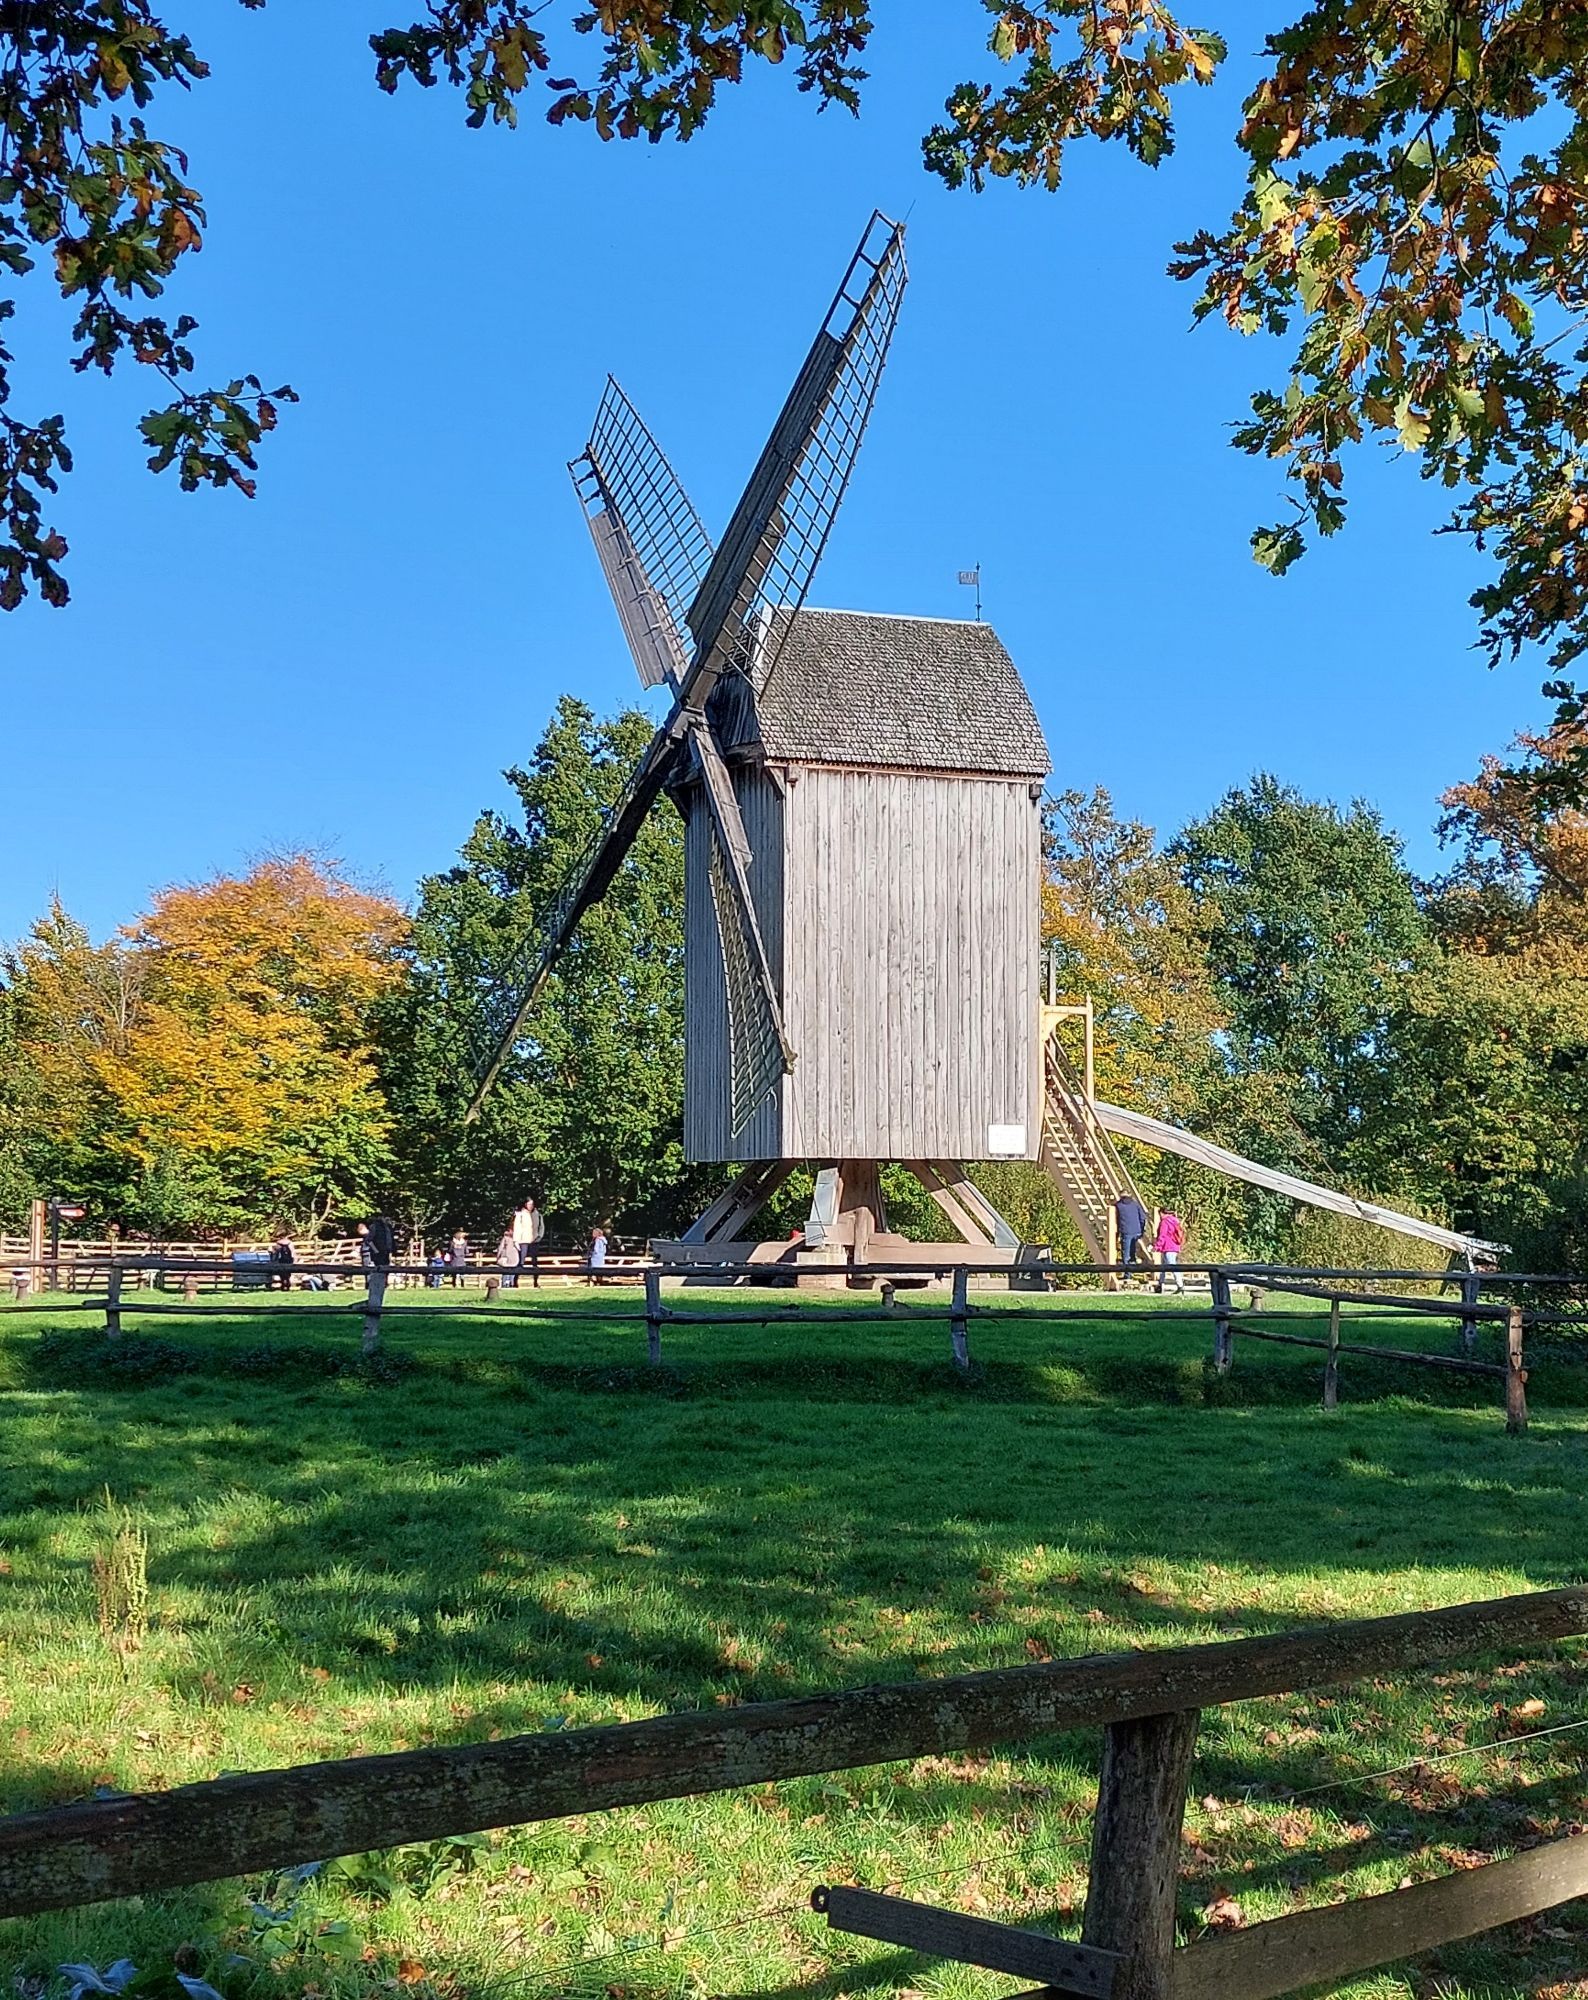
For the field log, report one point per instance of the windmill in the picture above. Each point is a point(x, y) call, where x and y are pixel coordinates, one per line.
point(861, 798)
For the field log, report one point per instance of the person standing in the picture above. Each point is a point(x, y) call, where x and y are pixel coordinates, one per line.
point(459, 1256)
point(507, 1260)
point(598, 1252)
point(1168, 1243)
point(282, 1259)
point(1131, 1219)
point(529, 1228)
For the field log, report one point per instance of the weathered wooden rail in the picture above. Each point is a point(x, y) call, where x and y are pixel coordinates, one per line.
point(1148, 1704)
point(122, 1274)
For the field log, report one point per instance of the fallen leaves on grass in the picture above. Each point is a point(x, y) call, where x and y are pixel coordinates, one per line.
point(1224, 1913)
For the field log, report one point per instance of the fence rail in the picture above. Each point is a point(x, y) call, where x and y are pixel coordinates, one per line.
point(120, 1300)
point(1148, 1703)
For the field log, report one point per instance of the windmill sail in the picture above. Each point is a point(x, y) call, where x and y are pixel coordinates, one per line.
point(757, 1047)
point(671, 590)
point(769, 552)
point(649, 539)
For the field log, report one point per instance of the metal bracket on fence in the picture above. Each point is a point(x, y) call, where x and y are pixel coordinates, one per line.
point(1079, 1970)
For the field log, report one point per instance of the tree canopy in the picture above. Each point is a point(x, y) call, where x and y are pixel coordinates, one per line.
point(273, 1048)
point(211, 1067)
point(1411, 231)
point(589, 1117)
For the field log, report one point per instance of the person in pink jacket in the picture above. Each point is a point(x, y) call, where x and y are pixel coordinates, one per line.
point(1168, 1243)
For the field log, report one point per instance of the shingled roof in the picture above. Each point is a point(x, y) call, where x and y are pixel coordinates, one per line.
point(862, 687)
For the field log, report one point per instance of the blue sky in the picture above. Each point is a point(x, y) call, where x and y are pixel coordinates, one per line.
point(351, 660)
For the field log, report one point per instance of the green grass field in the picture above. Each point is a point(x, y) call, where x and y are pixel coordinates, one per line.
point(514, 1525)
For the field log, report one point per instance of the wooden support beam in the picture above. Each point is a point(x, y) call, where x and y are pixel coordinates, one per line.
point(128, 1846)
point(1317, 1947)
point(1070, 1969)
point(113, 1302)
point(1515, 1375)
point(1223, 1334)
point(1136, 1849)
point(1471, 1282)
point(970, 1197)
point(377, 1276)
point(959, 1321)
point(1331, 1367)
point(930, 1174)
point(655, 1313)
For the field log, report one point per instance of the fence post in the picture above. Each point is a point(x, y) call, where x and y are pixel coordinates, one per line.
point(1223, 1339)
point(1331, 1366)
point(959, 1319)
point(1515, 1375)
point(190, 1286)
point(113, 1302)
point(1141, 1795)
point(653, 1313)
point(1470, 1282)
point(493, 1289)
point(372, 1307)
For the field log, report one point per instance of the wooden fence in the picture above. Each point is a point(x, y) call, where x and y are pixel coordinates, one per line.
point(121, 1278)
point(1147, 1703)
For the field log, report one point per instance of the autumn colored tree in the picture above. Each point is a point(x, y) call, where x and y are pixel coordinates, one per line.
point(1517, 819)
point(244, 1087)
point(1126, 930)
point(1411, 232)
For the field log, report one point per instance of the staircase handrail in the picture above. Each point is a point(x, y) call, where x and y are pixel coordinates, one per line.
point(1078, 1105)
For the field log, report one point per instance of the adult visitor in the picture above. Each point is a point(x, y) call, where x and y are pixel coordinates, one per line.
point(529, 1228)
point(1131, 1219)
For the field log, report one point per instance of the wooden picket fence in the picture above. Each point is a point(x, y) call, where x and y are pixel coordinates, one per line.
point(1147, 1703)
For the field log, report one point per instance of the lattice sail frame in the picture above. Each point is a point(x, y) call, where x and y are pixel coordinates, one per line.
point(756, 1059)
point(651, 543)
point(766, 561)
point(845, 364)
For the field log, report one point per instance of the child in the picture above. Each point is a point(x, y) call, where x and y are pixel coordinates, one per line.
point(1169, 1242)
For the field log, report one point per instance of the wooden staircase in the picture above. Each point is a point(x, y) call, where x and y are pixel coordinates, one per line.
point(1079, 1156)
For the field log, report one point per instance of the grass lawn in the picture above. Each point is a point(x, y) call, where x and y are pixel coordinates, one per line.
point(508, 1525)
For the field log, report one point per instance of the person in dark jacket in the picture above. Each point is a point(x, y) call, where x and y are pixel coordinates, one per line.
point(282, 1260)
point(1131, 1219)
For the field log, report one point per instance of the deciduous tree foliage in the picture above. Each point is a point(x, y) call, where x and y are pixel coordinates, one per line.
point(589, 1118)
point(212, 1067)
point(1412, 229)
point(1313, 925)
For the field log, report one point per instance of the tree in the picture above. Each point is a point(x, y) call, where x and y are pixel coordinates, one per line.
point(1517, 819)
point(244, 1088)
point(1126, 930)
point(66, 1008)
point(1313, 927)
point(589, 1114)
point(1482, 1104)
point(1412, 226)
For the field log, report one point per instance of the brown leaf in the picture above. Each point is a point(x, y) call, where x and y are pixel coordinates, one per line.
point(1224, 1913)
point(410, 1972)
